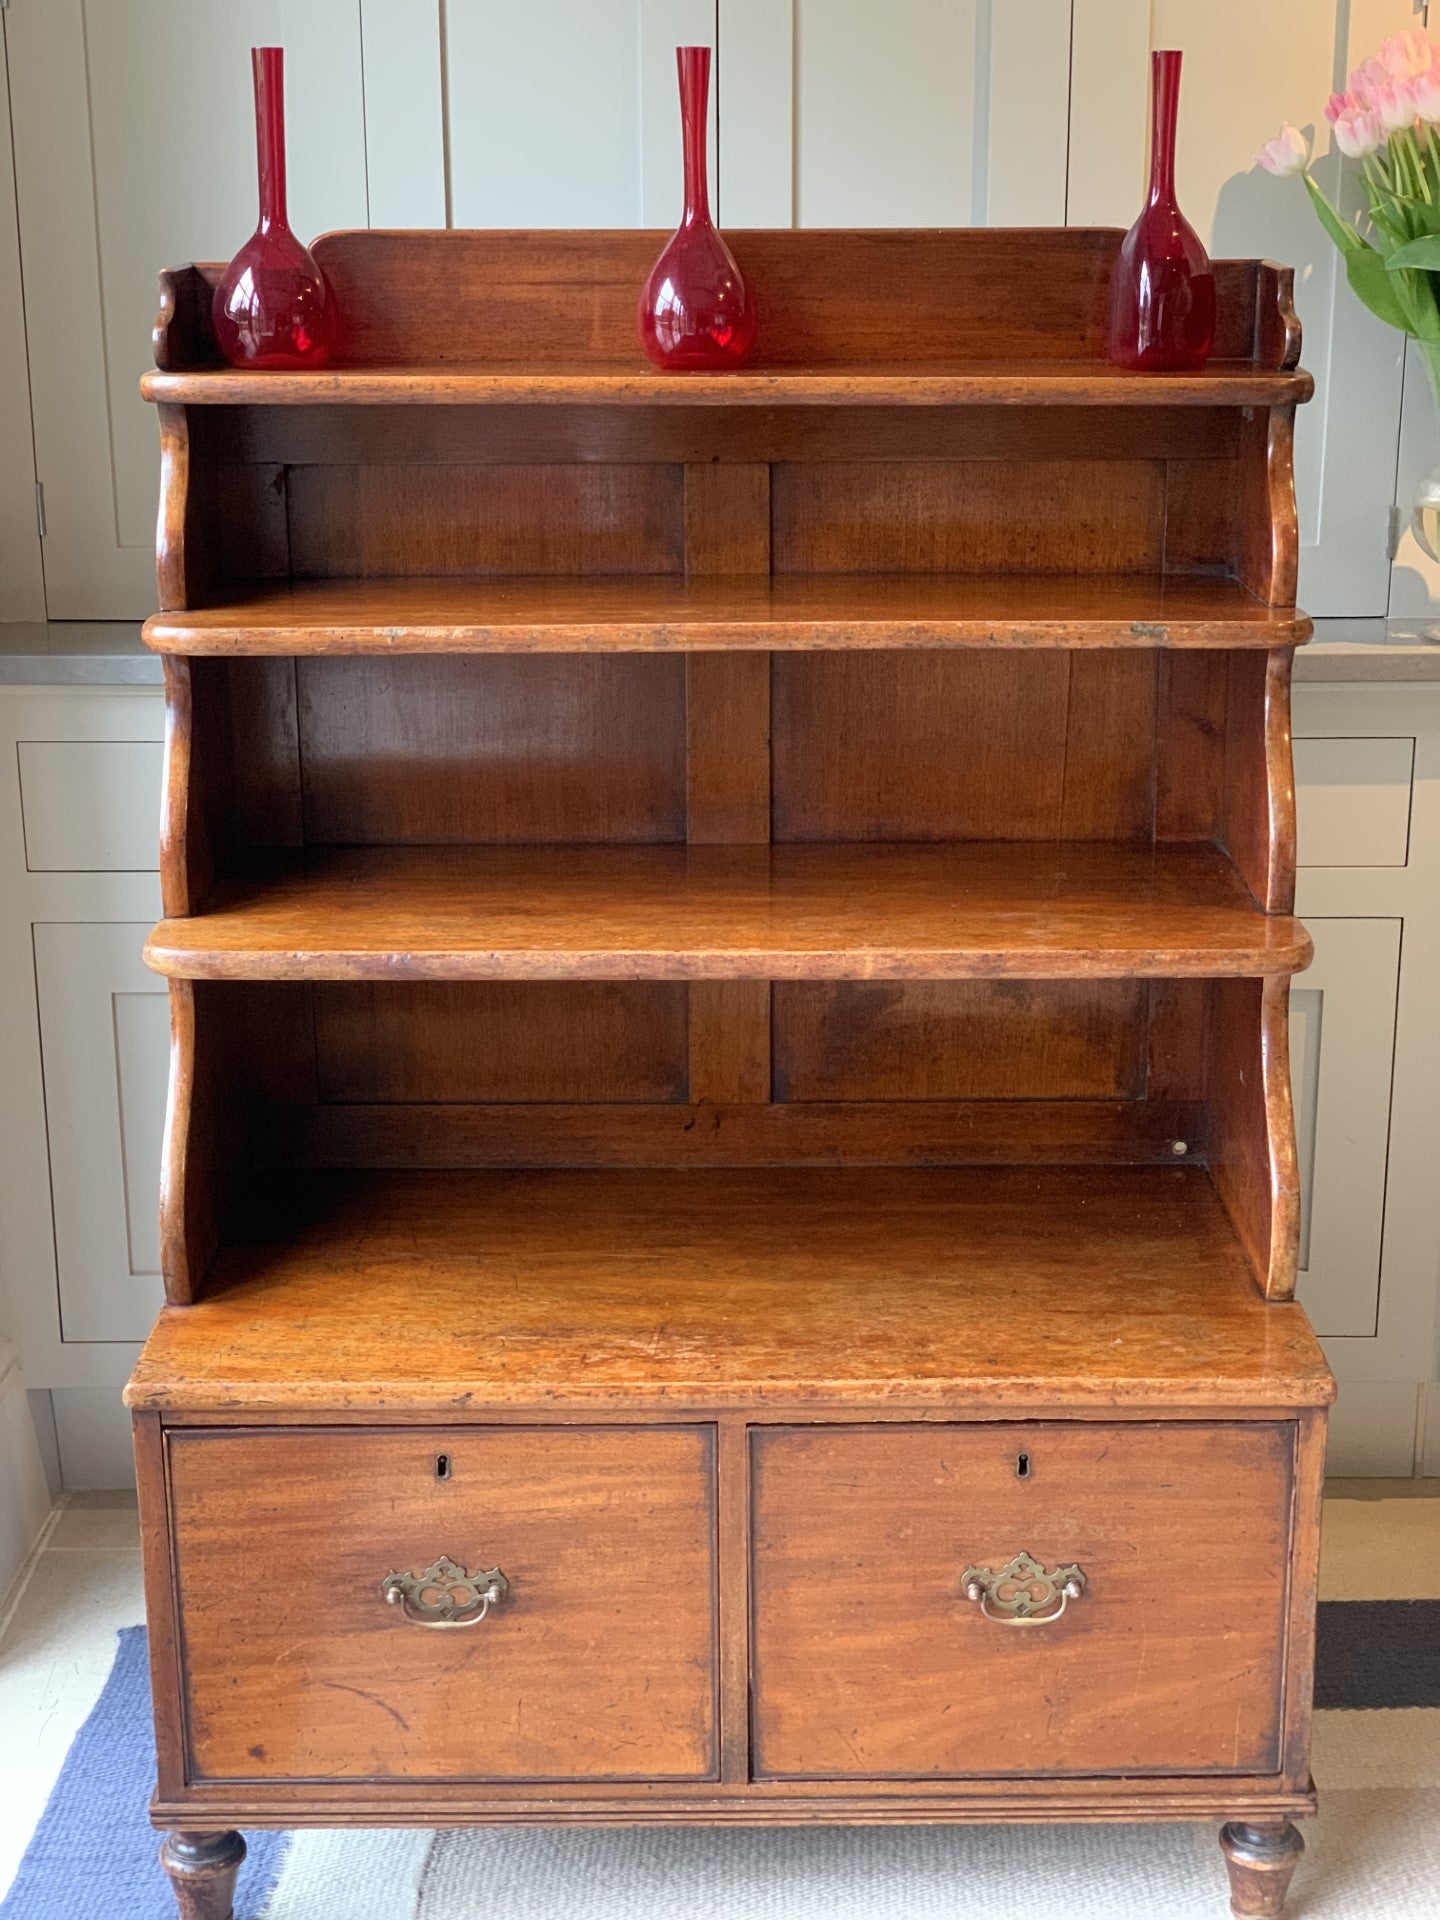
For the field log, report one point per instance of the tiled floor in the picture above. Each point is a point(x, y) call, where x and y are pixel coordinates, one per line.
point(1382, 1542)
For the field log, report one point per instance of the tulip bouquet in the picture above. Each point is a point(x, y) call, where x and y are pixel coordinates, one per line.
point(1389, 120)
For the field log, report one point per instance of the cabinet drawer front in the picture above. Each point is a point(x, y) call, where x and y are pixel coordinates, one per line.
point(869, 1658)
point(599, 1663)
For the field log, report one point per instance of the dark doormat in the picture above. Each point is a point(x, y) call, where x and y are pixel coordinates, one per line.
point(1378, 1653)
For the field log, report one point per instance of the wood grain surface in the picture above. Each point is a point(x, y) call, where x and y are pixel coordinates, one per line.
point(869, 1659)
point(849, 297)
point(1083, 1287)
point(816, 610)
point(600, 1664)
point(939, 383)
point(793, 912)
point(748, 1131)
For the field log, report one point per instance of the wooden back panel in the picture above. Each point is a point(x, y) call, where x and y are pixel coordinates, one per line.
point(824, 298)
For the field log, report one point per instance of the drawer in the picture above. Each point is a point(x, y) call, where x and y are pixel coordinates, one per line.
point(871, 1660)
point(91, 806)
point(598, 1664)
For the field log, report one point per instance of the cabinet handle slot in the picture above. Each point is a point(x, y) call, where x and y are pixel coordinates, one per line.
point(1022, 1593)
point(445, 1595)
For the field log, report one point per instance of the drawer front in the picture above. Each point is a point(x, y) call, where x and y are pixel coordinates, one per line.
point(598, 1664)
point(871, 1660)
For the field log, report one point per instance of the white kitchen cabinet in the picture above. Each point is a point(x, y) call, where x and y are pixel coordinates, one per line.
point(104, 1030)
point(83, 1054)
point(1365, 1046)
point(1342, 1045)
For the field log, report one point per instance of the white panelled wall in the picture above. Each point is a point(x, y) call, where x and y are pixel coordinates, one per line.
point(128, 125)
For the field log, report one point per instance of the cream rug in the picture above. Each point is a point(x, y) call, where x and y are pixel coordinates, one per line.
point(1374, 1851)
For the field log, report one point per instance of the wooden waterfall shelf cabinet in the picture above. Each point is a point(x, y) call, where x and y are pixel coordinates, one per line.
point(729, 945)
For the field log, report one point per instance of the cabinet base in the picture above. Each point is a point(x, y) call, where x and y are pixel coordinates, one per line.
point(374, 1805)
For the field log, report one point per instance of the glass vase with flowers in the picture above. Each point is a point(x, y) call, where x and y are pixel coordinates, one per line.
point(1387, 121)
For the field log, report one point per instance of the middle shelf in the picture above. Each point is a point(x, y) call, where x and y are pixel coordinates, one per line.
point(857, 910)
point(675, 613)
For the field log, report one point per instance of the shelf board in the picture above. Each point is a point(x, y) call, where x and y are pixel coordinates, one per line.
point(667, 613)
point(794, 912)
point(861, 1287)
point(952, 383)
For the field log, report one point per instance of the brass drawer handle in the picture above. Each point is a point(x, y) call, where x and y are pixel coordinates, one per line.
point(445, 1595)
point(1023, 1594)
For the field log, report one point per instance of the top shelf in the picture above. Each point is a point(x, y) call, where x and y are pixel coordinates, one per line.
point(940, 317)
point(1039, 383)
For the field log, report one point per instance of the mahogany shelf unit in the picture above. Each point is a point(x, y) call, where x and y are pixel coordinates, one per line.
point(729, 945)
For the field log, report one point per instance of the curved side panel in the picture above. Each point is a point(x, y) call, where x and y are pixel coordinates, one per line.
point(1281, 1156)
point(1260, 777)
point(175, 1259)
point(171, 523)
point(1269, 532)
point(186, 869)
point(182, 337)
point(1253, 1160)
point(1277, 325)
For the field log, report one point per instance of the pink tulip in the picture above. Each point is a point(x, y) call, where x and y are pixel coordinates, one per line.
point(1337, 104)
point(1404, 55)
point(1358, 132)
point(1366, 80)
point(1425, 93)
point(1288, 152)
point(1394, 104)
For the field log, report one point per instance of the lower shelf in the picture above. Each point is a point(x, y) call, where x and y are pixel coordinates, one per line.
point(958, 1288)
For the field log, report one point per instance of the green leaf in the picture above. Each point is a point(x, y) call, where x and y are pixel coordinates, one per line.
point(1418, 299)
point(1424, 252)
point(1373, 285)
point(1340, 231)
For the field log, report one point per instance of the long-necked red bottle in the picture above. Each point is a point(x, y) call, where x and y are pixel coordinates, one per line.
point(272, 308)
point(696, 314)
point(1162, 297)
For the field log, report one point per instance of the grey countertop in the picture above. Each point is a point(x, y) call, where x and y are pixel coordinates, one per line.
point(109, 653)
point(1368, 650)
point(71, 653)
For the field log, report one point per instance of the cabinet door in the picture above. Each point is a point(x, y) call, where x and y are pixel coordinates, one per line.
point(567, 114)
point(104, 1030)
point(134, 149)
point(1342, 1044)
point(1247, 68)
point(839, 113)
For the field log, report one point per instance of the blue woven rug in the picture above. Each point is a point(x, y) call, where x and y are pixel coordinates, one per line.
point(94, 1851)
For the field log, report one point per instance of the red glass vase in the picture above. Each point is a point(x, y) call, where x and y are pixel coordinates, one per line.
point(696, 314)
point(1162, 296)
point(272, 307)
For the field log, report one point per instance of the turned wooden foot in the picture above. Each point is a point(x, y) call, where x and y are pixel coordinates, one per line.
point(202, 1869)
point(1260, 1860)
